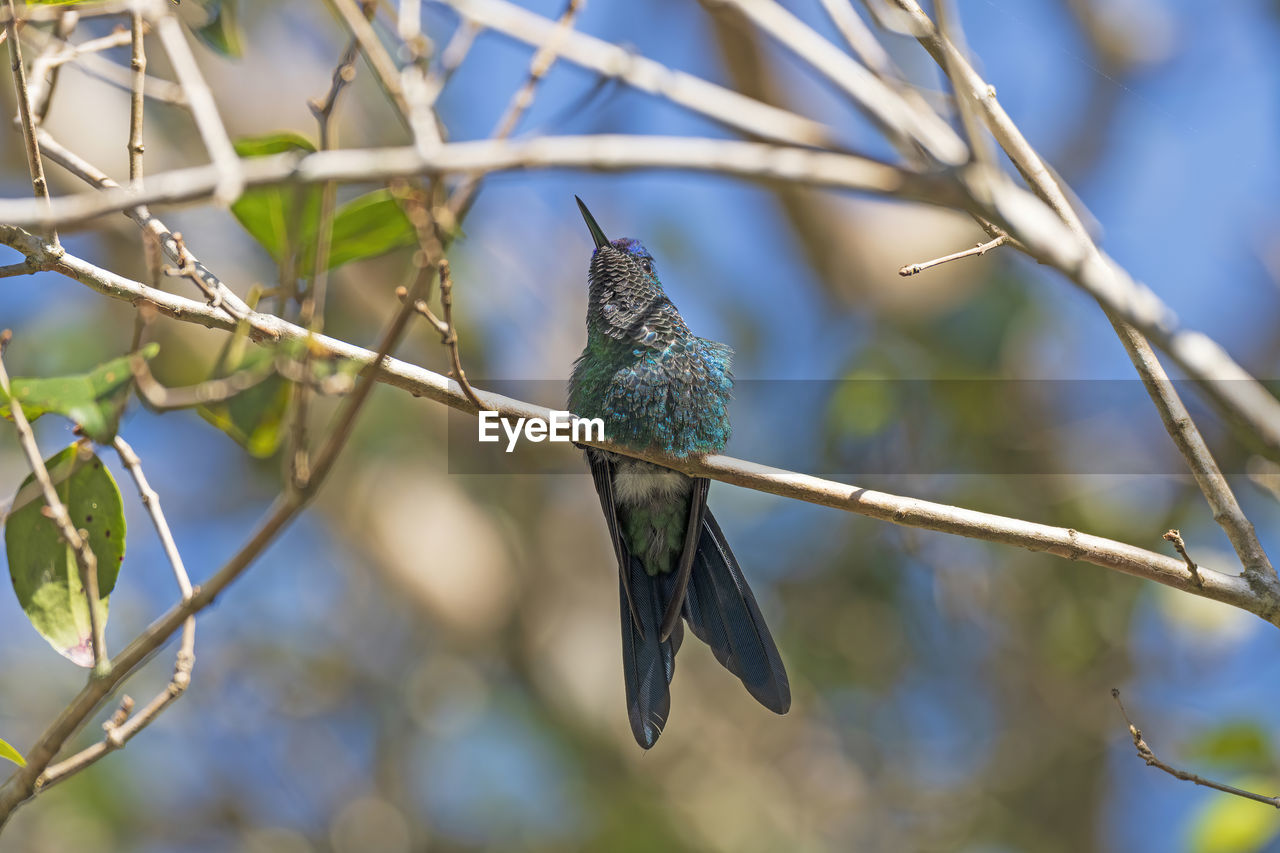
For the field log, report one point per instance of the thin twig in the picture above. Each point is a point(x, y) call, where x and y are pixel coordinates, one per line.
point(974, 131)
point(716, 102)
point(94, 64)
point(1145, 753)
point(415, 80)
point(59, 51)
point(451, 59)
point(311, 309)
point(203, 108)
point(45, 14)
point(369, 377)
point(1175, 536)
point(86, 560)
point(22, 785)
point(860, 38)
point(187, 269)
point(903, 123)
point(424, 129)
point(461, 199)
point(416, 203)
point(138, 64)
point(451, 339)
point(161, 399)
point(39, 185)
point(153, 229)
point(1245, 399)
point(980, 249)
point(122, 727)
point(608, 152)
point(45, 67)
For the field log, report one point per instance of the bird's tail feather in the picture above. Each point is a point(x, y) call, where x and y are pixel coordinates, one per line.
point(723, 613)
point(647, 664)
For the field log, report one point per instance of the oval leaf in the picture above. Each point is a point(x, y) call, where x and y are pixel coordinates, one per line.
point(93, 400)
point(42, 566)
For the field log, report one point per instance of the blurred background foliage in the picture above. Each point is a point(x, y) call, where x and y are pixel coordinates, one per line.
point(429, 659)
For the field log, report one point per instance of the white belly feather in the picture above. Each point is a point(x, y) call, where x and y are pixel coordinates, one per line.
point(639, 482)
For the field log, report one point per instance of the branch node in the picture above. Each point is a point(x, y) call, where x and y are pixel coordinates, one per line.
point(1175, 537)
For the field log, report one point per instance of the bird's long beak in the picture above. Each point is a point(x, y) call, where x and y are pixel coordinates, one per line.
point(596, 233)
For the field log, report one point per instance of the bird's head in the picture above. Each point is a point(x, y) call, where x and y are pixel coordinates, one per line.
point(623, 258)
point(626, 302)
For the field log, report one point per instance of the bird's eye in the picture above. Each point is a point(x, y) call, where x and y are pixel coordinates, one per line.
point(647, 266)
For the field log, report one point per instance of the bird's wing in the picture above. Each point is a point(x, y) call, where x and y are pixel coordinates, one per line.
point(647, 663)
point(723, 613)
point(602, 474)
point(692, 535)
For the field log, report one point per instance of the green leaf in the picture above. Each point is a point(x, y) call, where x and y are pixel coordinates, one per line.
point(285, 218)
point(222, 30)
point(7, 751)
point(1228, 824)
point(282, 217)
point(365, 227)
point(93, 400)
point(255, 417)
point(43, 567)
point(273, 143)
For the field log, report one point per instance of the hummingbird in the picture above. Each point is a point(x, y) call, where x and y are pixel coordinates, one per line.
point(659, 387)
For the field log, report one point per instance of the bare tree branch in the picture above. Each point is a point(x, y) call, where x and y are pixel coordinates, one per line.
point(175, 249)
point(46, 66)
point(22, 785)
point(311, 308)
point(694, 93)
point(461, 199)
point(38, 183)
point(902, 121)
point(87, 58)
point(1145, 753)
point(122, 728)
point(203, 108)
point(416, 114)
point(46, 14)
point(451, 59)
point(1229, 385)
point(606, 152)
point(138, 65)
point(1242, 398)
point(980, 249)
point(1070, 544)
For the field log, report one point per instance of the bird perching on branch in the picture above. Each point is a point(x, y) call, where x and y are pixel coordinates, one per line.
point(657, 386)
